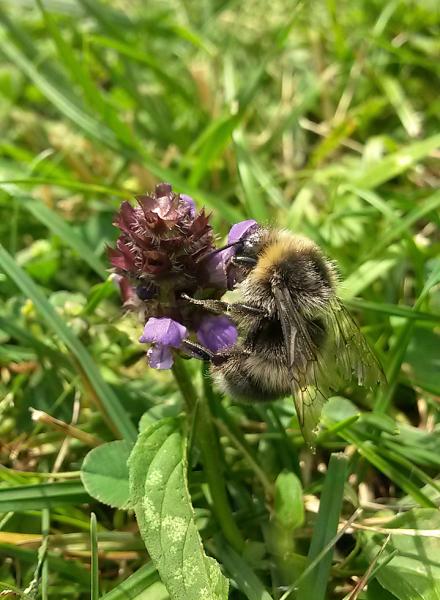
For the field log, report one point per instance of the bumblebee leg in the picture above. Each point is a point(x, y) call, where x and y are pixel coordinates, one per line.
point(247, 261)
point(218, 306)
point(198, 351)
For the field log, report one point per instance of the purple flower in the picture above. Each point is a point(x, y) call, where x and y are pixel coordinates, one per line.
point(239, 230)
point(217, 268)
point(189, 203)
point(165, 252)
point(160, 357)
point(164, 333)
point(163, 237)
point(217, 333)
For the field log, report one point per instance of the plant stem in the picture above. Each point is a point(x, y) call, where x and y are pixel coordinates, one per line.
point(208, 443)
point(185, 384)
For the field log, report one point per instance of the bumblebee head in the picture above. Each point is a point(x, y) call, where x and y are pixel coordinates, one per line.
point(250, 246)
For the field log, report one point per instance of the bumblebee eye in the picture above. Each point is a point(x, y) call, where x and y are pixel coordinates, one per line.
point(146, 291)
point(251, 246)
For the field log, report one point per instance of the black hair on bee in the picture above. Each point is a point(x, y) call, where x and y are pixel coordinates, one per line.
point(295, 336)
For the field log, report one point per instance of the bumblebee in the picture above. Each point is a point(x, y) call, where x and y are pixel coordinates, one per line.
point(295, 336)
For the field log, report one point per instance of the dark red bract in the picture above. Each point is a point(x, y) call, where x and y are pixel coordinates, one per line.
point(164, 251)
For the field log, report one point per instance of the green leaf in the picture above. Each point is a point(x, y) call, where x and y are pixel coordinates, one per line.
point(288, 515)
point(288, 504)
point(42, 495)
point(414, 574)
point(104, 393)
point(159, 494)
point(377, 592)
point(104, 473)
point(423, 357)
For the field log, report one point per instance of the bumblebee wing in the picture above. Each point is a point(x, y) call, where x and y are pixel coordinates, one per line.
point(308, 381)
point(353, 355)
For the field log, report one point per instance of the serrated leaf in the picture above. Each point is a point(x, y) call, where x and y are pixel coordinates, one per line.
point(159, 494)
point(104, 473)
point(414, 574)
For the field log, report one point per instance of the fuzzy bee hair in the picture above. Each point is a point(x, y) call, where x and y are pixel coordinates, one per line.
point(295, 335)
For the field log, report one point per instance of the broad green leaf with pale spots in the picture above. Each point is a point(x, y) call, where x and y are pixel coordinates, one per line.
point(159, 495)
point(104, 473)
point(414, 573)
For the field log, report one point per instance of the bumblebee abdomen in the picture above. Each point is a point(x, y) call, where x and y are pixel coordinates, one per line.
point(252, 378)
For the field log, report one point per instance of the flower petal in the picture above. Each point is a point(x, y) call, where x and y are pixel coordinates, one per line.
point(216, 267)
point(189, 203)
point(163, 331)
point(217, 333)
point(160, 357)
point(239, 230)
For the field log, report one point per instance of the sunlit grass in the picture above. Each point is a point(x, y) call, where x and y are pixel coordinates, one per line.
point(317, 116)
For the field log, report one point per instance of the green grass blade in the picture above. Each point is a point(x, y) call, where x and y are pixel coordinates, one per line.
point(240, 571)
point(257, 205)
point(211, 143)
point(42, 495)
point(366, 449)
point(94, 569)
point(426, 206)
point(392, 310)
point(398, 350)
point(146, 59)
point(107, 399)
point(69, 184)
point(80, 75)
point(134, 585)
point(314, 585)
point(364, 276)
point(69, 570)
point(397, 163)
point(66, 105)
point(395, 93)
point(113, 21)
point(45, 527)
point(63, 230)
point(20, 334)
